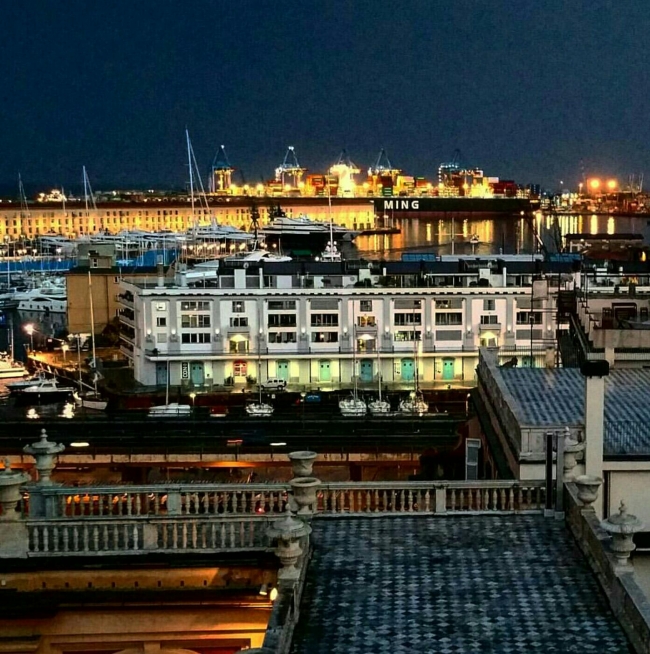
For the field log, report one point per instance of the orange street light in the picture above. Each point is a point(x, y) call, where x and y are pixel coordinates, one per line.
point(611, 184)
point(594, 184)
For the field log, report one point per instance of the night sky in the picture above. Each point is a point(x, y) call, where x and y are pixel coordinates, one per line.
point(526, 89)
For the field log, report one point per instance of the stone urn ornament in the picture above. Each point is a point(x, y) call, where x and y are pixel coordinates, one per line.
point(622, 526)
point(288, 532)
point(572, 448)
point(10, 483)
point(304, 494)
point(44, 452)
point(588, 487)
point(302, 462)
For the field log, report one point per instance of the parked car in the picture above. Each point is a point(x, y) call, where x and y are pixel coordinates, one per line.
point(274, 384)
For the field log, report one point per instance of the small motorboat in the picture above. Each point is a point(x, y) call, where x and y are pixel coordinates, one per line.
point(172, 410)
point(90, 400)
point(19, 386)
point(259, 409)
point(46, 390)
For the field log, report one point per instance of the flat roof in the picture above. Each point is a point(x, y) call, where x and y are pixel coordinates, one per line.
point(476, 584)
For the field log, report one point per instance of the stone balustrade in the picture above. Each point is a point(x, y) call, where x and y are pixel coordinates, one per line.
point(65, 537)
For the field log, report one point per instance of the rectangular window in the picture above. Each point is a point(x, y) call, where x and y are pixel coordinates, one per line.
point(282, 320)
point(402, 336)
point(195, 306)
point(365, 305)
point(449, 318)
point(366, 321)
point(452, 303)
point(324, 319)
point(282, 305)
point(524, 317)
point(488, 305)
point(195, 337)
point(239, 322)
point(489, 320)
point(324, 337)
point(161, 321)
point(407, 304)
point(238, 307)
point(161, 338)
point(408, 318)
point(282, 337)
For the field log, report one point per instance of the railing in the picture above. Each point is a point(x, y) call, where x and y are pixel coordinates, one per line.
point(192, 501)
point(137, 535)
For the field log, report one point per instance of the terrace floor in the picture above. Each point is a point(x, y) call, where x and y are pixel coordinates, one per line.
point(451, 585)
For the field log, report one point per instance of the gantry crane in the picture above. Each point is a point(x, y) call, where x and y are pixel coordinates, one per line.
point(221, 177)
point(289, 172)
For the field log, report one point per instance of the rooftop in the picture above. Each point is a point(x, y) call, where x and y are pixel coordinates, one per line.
point(555, 398)
point(459, 585)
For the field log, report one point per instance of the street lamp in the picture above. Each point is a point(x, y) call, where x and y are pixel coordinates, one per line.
point(64, 348)
point(29, 330)
point(192, 397)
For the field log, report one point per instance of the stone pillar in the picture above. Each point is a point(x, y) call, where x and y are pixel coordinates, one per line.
point(10, 483)
point(595, 373)
point(44, 452)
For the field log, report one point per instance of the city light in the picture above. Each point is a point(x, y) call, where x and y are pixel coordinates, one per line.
point(594, 184)
point(611, 184)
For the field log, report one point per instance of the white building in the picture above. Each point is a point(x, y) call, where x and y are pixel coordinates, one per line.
point(308, 322)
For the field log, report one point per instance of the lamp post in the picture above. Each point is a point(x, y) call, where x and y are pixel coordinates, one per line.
point(64, 348)
point(29, 330)
point(302, 401)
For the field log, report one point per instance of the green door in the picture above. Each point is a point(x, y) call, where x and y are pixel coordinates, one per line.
point(365, 370)
point(283, 370)
point(448, 369)
point(408, 370)
point(324, 371)
point(196, 372)
point(161, 374)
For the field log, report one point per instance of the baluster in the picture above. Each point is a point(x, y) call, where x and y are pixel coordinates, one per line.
point(222, 535)
point(156, 504)
point(193, 535)
point(35, 539)
point(244, 498)
point(105, 537)
point(510, 498)
point(470, 499)
point(63, 506)
point(128, 498)
point(205, 504)
point(410, 499)
point(427, 500)
point(46, 539)
point(486, 500)
point(233, 543)
point(538, 497)
point(184, 536)
point(213, 536)
point(175, 535)
point(235, 503)
point(335, 501)
point(368, 502)
point(136, 538)
point(75, 537)
point(96, 538)
point(165, 534)
point(251, 533)
point(376, 499)
point(85, 537)
point(55, 539)
point(66, 538)
point(519, 498)
point(242, 534)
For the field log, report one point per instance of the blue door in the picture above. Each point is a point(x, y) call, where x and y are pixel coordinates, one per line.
point(161, 374)
point(408, 370)
point(283, 370)
point(196, 372)
point(324, 371)
point(448, 369)
point(365, 370)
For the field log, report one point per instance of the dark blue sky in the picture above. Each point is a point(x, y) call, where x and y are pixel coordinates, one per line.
point(527, 89)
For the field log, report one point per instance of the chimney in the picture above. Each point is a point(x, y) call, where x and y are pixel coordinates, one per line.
point(160, 271)
point(595, 373)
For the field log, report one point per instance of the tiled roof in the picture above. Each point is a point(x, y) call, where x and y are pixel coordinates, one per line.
point(451, 585)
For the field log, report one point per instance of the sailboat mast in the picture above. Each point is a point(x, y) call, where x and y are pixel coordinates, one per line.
point(189, 161)
point(379, 371)
point(92, 328)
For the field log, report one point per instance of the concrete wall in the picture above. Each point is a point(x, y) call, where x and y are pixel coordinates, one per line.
point(633, 487)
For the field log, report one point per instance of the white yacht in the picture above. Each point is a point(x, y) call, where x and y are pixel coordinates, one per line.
point(46, 389)
point(90, 400)
point(259, 409)
point(331, 253)
point(379, 406)
point(19, 386)
point(50, 297)
point(10, 369)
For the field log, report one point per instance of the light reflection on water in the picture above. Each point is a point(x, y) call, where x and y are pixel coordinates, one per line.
point(496, 234)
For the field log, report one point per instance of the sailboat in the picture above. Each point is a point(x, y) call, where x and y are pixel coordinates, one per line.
point(259, 409)
point(90, 399)
point(353, 406)
point(169, 410)
point(415, 404)
point(331, 252)
point(9, 367)
point(379, 406)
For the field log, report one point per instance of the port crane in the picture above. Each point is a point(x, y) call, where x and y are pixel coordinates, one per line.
point(344, 170)
point(289, 169)
point(383, 167)
point(221, 175)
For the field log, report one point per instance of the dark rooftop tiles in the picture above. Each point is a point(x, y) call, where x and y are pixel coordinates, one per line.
point(499, 584)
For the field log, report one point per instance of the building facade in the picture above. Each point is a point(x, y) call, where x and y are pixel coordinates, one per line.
point(322, 324)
